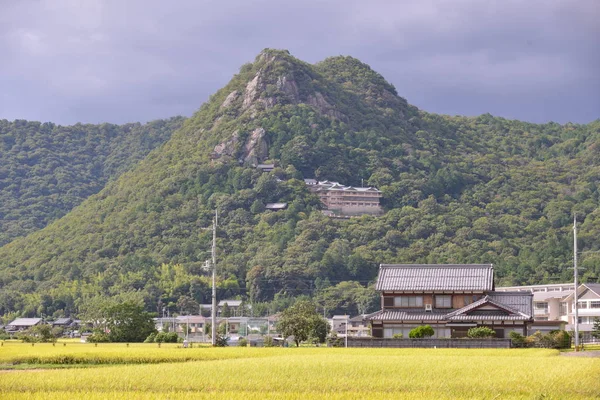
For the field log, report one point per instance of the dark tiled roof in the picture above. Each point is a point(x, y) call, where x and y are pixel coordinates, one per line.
point(512, 310)
point(435, 277)
point(395, 315)
point(522, 302)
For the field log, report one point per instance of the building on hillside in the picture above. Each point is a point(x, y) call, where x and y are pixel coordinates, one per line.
point(553, 307)
point(451, 298)
point(346, 200)
point(266, 167)
point(21, 324)
point(276, 206)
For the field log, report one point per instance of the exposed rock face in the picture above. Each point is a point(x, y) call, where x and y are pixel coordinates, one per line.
point(256, 148)
point(289, 87)
point(230, 99)
point(227, 148)
point(252, 90)
point(323, 107)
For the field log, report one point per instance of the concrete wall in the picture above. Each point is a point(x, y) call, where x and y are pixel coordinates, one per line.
point(430, 343)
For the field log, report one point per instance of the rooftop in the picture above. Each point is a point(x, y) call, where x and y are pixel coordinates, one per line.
point(435, 277)
point(25, 322)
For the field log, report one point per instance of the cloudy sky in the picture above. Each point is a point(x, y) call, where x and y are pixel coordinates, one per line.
point(118, 61)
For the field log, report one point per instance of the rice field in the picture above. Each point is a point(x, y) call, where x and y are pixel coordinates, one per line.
point(114, 371)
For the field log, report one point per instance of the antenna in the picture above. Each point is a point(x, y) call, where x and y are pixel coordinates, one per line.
point(214, 281)
point(575, 299)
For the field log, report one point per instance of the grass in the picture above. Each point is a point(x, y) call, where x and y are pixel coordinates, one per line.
point(306, 373)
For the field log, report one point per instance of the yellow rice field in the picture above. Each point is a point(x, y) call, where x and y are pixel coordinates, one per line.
point(146, 371)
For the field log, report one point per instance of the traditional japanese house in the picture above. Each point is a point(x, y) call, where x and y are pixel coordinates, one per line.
point(451, 298)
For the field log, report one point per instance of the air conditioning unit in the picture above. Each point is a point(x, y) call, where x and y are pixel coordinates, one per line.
point(428, 307)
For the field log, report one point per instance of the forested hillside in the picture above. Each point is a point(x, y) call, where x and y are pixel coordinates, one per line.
point(456, 189)
point(47, 169)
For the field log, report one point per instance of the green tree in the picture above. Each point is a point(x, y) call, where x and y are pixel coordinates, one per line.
point(301, 321)
point(225, 311)
point(420, 332)
point(128, 322)
point(596, 328)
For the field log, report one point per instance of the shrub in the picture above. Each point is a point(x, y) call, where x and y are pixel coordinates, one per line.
point(420, 332)
point(221, 341)
point(167, 337)
point(517, 339)
point(481, 332)
point(397, 336)
point(98, 337)
point(243, 342)
point(151, 338)
point(269, 342)
point(552, 340)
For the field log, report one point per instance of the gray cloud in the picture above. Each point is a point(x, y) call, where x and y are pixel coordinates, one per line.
point(107, 60)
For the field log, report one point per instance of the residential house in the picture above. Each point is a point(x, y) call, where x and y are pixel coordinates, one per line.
point(346, 200)
point(451, 298)
point(190, 325)
point(62, 322)
point(21, 324)
point(358, 326)
point(554, 309)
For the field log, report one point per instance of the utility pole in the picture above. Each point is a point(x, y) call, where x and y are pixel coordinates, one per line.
point(575, 297)
point(214, 280)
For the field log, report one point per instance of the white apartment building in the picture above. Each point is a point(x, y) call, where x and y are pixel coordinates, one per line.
point(554, 303)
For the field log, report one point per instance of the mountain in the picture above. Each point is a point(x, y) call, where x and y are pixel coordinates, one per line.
point(47, 169)
point(455, 189)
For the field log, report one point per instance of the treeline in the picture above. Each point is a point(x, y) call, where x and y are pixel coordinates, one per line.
point(47, 169)
point(456, 190)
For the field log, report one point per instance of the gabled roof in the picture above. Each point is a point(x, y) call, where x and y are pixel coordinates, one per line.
point(435, 277)
point(62, 321)
point(463, 313)
point(594, 287)
point(25, 322)
point(276, 206)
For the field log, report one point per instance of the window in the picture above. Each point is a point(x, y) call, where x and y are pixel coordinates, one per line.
point(594, 304)
point(444, 301)
point(541, 308)
point(582, 304)
point(563, 308)
point(408, 301)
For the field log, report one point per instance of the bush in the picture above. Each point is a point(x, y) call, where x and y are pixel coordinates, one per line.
point(98, 337)
point(151, 338)
point(552, 340)
point(397, 336)
point(481, 332)
point(167, 337)
point(243, 342)
point(517, 339)
point(420, 332)
point(269, 342)
point(221, 341)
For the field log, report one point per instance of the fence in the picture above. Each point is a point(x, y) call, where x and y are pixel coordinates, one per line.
point(430, 343)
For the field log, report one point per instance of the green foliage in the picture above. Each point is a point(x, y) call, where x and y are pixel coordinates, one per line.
point(552, 340)
point(268, 341)
point(302, 322)
point(166, 337)
point(221, 341)
point(455, 190)
point(98, 336)
point(481, 332)
point(47, 169)
point(397, 336)
point(128, 322)
point(596, 328)
point(243, 342)
point(421, 332)
point(518, 340)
